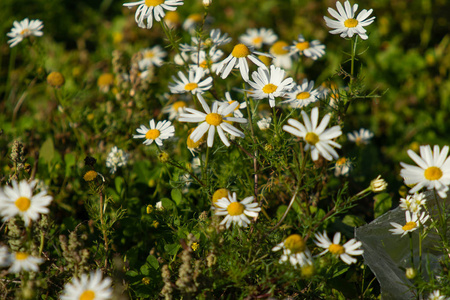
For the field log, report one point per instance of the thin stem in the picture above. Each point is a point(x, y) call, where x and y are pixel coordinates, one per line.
point(41, 245)
point(172, 41)
point(287, 210)
point(105, 235)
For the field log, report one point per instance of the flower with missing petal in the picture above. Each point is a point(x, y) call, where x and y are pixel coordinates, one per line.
point(257, 37)
point(313, 49)
point(294, 250)
point(24, 29)
point(361, 137)
point(413, 221)
point(21, 261)
point(302, 95)
point(191, 84)
point(345, 252)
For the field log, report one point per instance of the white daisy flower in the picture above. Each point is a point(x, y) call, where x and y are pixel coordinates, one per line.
point(282, 57)
point(361, 137)
point(152, 9)
point(346, 24)
point(236, 212)
point(205, 61)
point(223, 104)
point(212, 120)
point(238, 59)
point(191, 22)
point(270, 84)
point(162, 131)
point(317, 138)
point(24, 29)
point(215, 39)
point(192, 85)
point(345, 252)
point(5, 257)
point(257, 37)
point(342, 167)
point(21, 261)
point(302, 95)
point(116, 158)
point(436, 295)
point(88, 287)
point(19, 200)
point(413, 203)
point(432, 172)
point(152, 56)
point(175, 109)
point(313, 49)
point(294, 250)
point(264, 123)
point(413, 221)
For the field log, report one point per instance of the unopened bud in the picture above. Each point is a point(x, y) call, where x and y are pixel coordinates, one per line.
point(378, 184)
point(411, 273)
point(207, 3)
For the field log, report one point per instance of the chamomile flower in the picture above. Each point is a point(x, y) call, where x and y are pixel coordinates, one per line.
point(282, 57)
point(361, 137)
point(152, 56)
point(432, 172)
point(20, 201)
point(413, 221)
point(207, 60)
point(313, 49)
point(345, 252)
point(317, 138)
point(436, 295)
point(116, 158)
point(215, 39)
point(413, 203)
point(21, 261)
point(174, 109)
point(152, 9)
point(264, 123)
point(294, 250)
point(211, 121)
point(270, 84)
point(236, 212)
point(238, 59)
point(23, 29)
point(342, 167)
point(162, 131)
point(191, 84)
point(223, 104)
point(192, 146)
point(302, 95)
point(88, 287)
point(347, 25)
point(257, 37)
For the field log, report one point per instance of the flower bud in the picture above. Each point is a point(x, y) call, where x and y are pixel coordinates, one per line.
point(55, 79)
point(411, 273)
point(207, 3)
point(378, 184)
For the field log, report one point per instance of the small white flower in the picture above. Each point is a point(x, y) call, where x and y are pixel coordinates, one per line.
point(24, 29)
point(21, 261)
point(236, 212)
point(280, 50)
point(345, 252)
point(413, 221)
point(152, 56)
point(152, 9)
point(313, 49)
point(432, 172)
point(116, 158)
point(436, 295)
point(317, 138)
point(193, 84)
point(238, 59)
point(205, 61)
point(342, 167)
point(361, 137)
point(257, 37)
point(294, 250)
point(211, 121)
point(175, 109)
point(413, 203)
point(19, 200)
point(270, 84)
point(215, 39)
point(88, 287)
point(346, 24)
point(302, 95)
point(264, 123)
point(159, 206)
point(163, 130)
point(228, 101)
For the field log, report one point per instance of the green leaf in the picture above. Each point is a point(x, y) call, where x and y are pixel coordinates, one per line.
point(353, 221)
point(280, 211)
point(176, 196)
point(119, 184)
point(153, 262)
point(47, 151)
point(167, 203)
point(69, 159)
point(383, 203)
point(145, 270)
point(171, 249)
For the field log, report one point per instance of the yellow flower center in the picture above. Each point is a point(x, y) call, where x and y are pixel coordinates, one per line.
point(341, 161)
point(87, 295)
point(235, 209)
point(336, 249)
point(25, 31)
point(55, 79)
point(269, 88)
point(213, 119)
point(240, 50)
point(219, 194)
point(257, 40)
point(303, 95)
point(23, 203)
point(190, 143)
point(433, 173)
point(196, 17)
point(191, 86)
point(204, 64)
point(149, 54)
point(90, 175)
point(105, 79)
point(409, 226)
point(172, 16)
point(266, 60)
point(308, 271)
point(295, 243)
point(278, 48)
point(152, 134)
point(350, 23)
point(153, 2)
point(302, 46)
point(311, 138)
point(179, 104)
point(21, 256)
point(231, 102)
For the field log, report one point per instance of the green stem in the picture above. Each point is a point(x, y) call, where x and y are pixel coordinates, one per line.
point(41, 245)
point(172, 41)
